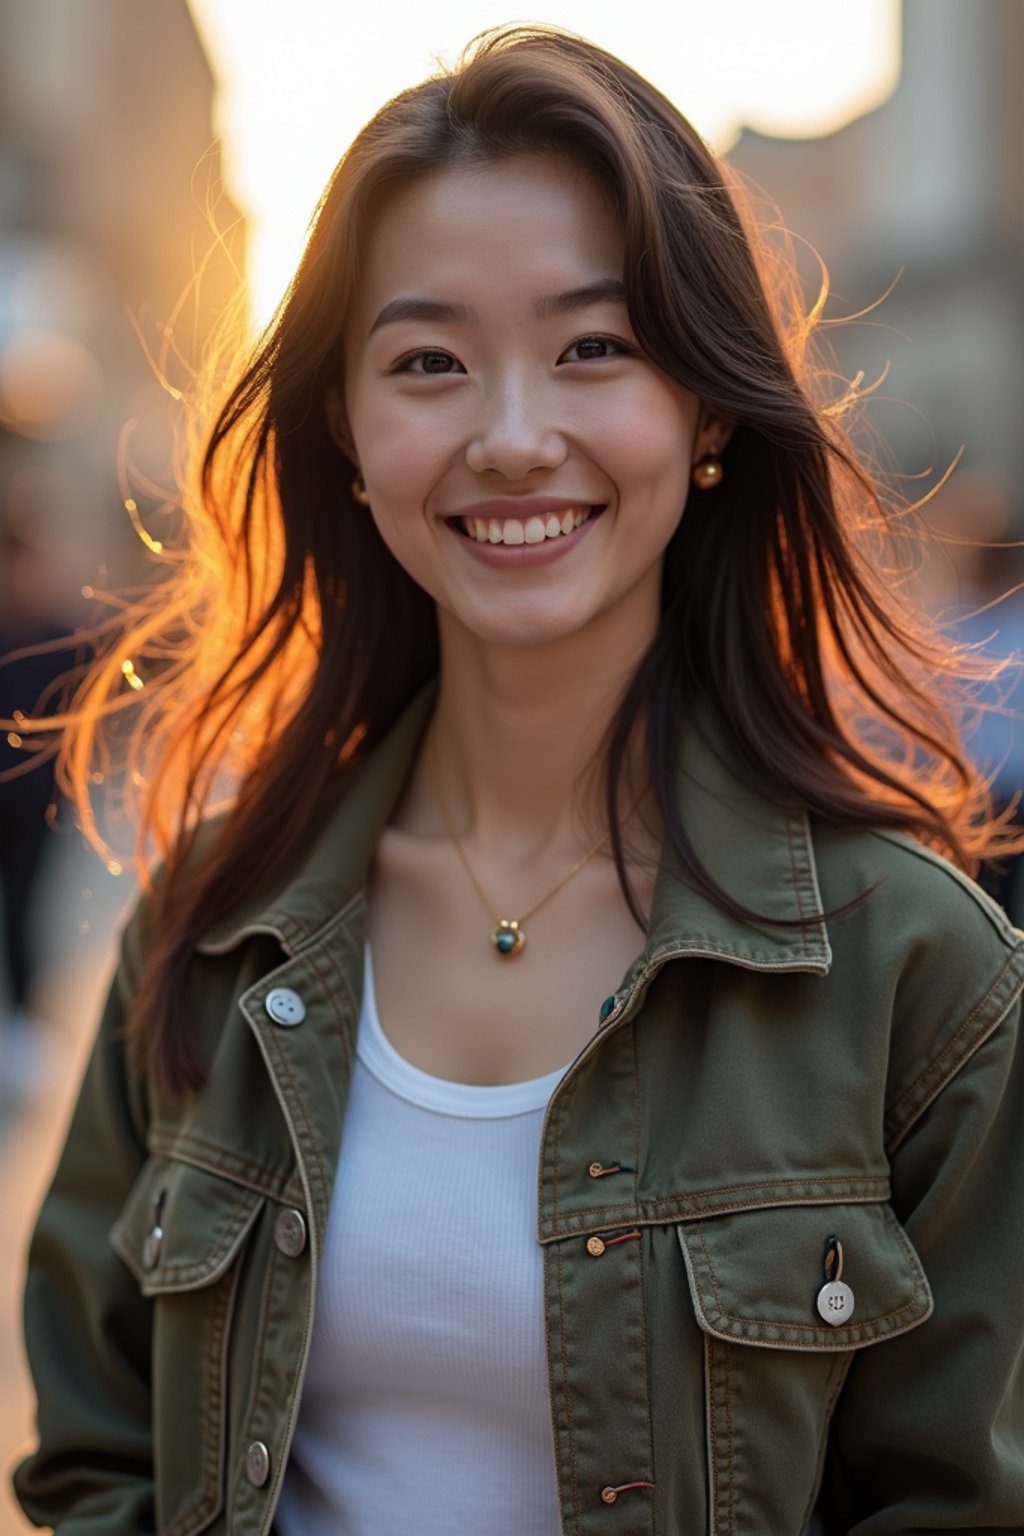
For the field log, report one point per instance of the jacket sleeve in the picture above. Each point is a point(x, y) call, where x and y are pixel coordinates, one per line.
point(87, 1326)
point(928, 1434)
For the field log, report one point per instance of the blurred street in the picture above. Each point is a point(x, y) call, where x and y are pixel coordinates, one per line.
point(80, 905)
point(127, 229)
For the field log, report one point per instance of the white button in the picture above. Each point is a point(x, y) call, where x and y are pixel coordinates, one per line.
point(285, 1006)
point(835, 1302)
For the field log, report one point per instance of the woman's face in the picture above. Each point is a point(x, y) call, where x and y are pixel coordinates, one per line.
point(524, 463)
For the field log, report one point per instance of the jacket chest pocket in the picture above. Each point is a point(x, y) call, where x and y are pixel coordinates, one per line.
point(182, 1233)
point(781, 1329)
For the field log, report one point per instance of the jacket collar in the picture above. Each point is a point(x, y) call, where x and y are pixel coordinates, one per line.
point(757, 850)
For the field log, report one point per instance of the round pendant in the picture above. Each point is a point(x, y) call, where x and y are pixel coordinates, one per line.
point(508, 938)
point(835, 1302)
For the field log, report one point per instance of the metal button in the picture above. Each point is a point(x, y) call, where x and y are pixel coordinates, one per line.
point(257, 1463)
point(290, 1233)
point(609, 1495)
point(595, 1246)
point(151, 1247)
point(606, 1007)
point(595, 1170)
point(285, 1006)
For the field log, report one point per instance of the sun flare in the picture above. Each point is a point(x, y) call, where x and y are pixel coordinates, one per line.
point(298, 81)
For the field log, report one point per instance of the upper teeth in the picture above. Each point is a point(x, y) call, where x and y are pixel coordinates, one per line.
point(535, 530)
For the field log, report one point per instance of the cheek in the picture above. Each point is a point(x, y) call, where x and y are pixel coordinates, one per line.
point(400, 450)
point(645, 437)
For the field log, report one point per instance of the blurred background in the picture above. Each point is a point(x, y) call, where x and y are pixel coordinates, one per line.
point(887, 134)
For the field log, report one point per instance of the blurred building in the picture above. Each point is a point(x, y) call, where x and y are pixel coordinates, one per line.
point(119, 250)
point(109, 180)
point(926, 192)
point(925, 196)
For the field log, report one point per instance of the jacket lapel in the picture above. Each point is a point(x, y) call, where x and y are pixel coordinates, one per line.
point(759, 852)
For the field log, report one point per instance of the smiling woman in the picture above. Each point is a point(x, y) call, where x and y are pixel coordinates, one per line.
point(574, 1085)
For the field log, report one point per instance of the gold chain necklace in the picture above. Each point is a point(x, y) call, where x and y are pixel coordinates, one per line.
point(508, 936)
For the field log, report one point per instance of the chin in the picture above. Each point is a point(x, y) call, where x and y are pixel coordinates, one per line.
point(526, 629)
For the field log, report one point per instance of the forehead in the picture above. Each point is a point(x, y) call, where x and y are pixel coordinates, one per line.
point(466, 232)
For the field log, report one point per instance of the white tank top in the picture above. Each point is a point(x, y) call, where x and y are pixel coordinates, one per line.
point(425, 1408)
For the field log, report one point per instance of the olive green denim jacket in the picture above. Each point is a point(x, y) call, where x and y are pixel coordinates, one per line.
point(748, 1095)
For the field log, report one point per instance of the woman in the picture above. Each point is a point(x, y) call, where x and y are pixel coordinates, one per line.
point(435, 1170)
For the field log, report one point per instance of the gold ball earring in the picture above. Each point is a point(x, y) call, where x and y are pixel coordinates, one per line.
point(359, 491)
point(707, 472)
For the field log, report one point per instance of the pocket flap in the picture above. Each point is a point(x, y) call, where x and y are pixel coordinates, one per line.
point(181, 1226)
point(755, 1275)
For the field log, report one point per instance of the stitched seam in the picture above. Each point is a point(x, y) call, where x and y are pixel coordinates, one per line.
point(206, 1502)
point(796, 885)
point(222, 1377)
point(309, 960)
point(936, 1064)
point(637, 1138)
point(558, 1125)
point(584, 1227)
point(215, 1340)
point(299, 1106)
point(213, 1159)
point(309, 1140)
point(766, 1322)
point(647, 1383)
point(570, 1425)
point(705, 1204)
point(902, 1131)
point(996, 917)
point(252, 1418)
point(637, 1116)
point(340, 1002)
point(709, 1371)
point(712, 947)
point(332, 995)
point(872, 1180)
point(731, 1460)
point(985, 1033)
point(729, 1189)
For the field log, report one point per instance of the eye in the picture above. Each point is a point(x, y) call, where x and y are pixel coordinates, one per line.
point(434, 362)
point(594, 348)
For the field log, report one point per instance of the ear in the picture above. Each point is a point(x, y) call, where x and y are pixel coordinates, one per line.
point(337, 424)
point(714, 429)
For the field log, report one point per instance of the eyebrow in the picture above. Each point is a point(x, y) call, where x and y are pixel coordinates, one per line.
point(603, 290)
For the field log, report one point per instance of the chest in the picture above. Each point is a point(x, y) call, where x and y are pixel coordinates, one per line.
point(451, 1005)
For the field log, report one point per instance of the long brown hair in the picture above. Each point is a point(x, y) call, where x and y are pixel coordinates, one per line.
point(288, 638)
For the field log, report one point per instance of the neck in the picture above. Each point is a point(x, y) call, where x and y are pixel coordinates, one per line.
point(515, 742)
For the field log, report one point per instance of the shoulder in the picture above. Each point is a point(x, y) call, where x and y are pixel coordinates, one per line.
point(920, 897)
point(921, 939)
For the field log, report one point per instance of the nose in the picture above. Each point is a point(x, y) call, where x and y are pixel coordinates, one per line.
point(516, 432)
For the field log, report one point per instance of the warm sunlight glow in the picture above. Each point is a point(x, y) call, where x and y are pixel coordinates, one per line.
point(298, 80)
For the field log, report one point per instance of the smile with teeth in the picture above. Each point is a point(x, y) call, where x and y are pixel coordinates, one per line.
point(508, 530)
